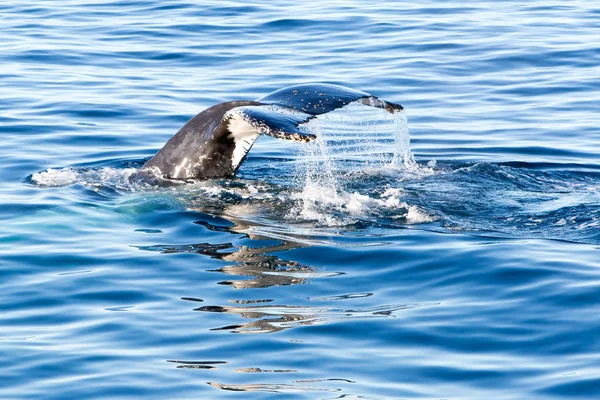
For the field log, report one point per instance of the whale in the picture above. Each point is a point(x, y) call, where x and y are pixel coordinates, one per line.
point(215, 143)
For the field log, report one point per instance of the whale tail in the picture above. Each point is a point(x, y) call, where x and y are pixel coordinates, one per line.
point(215, 142)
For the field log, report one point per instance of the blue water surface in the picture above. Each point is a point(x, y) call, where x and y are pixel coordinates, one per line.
point(342, 269)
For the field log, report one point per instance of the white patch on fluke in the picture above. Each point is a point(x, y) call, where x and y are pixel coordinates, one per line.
point(243, 134)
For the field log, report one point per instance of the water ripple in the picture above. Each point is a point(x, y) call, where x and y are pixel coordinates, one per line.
point(478, 232)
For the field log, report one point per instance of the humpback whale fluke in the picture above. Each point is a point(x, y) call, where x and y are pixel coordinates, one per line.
point(215, 142)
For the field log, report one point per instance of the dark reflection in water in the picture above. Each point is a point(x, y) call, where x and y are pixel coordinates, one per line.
point(259, 370)
point(270, 270)
point(260, 267)
point(197, 364)
point(266, 268)
point(272, 387)
point(198, 248)
point(274, 318)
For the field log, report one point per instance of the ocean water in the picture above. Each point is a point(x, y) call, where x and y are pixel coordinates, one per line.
point(450, 251)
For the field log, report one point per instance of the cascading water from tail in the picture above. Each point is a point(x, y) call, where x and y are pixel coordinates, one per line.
point(351, 145)
point(320, 183)
point(403, 157)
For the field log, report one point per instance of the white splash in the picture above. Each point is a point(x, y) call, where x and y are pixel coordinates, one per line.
point(93, 178)
point(418, 216)
point(357, 142)
point(56, 177)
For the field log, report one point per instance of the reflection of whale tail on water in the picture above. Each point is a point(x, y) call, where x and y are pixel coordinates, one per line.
point(260, 263)
point(267, 269)
point(215, 142)
point(274, 318)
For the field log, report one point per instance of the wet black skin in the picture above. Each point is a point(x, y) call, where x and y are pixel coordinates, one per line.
point(205, 135)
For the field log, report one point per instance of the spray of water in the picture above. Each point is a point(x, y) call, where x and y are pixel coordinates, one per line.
point(403, 158)
point(357, 142)
point(320, 184)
